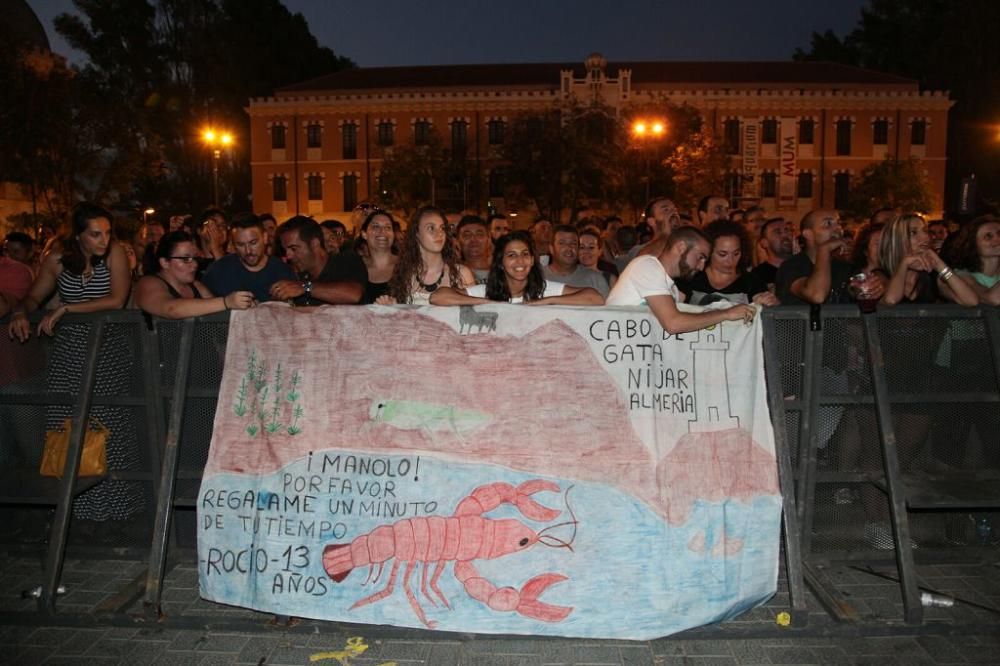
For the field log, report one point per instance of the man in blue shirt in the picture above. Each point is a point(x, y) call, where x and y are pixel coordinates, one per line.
point(251, 268)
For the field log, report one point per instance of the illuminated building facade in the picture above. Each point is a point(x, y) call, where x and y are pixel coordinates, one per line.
point(796, 131)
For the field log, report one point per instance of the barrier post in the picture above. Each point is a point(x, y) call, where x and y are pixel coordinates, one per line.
point(812, 383)
point(56, 553)
point(168, 475)
point(786, 481)
point(913, 611)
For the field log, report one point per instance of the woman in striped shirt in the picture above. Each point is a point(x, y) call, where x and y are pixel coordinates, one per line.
point(91, 274)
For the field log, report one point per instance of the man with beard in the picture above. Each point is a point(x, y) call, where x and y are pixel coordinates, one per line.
point(251, 268)
point(498, 225)
point(773, 247)
point(662, 218)
point(817, 274)
point(323, 277)
point(649, 280)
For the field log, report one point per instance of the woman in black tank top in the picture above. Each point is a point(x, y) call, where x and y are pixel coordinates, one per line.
point(173, 292)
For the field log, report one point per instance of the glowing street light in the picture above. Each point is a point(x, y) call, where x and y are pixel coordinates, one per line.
point(647, 130)
point(216, 140)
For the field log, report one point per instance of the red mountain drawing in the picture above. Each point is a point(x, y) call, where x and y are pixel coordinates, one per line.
point(555, 410)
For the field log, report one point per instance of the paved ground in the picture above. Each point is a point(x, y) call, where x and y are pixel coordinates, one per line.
point(199, 632)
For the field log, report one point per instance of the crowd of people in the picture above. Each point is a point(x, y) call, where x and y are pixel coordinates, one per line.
point(733, 262)
point(743, 259)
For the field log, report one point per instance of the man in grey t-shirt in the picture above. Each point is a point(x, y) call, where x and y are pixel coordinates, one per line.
point(565, 263)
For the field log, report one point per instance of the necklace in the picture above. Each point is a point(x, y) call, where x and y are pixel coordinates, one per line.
point(432, 287)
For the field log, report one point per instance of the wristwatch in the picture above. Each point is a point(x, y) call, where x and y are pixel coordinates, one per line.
point(307, 287)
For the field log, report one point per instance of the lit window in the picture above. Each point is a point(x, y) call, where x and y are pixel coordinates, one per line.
point(277, 137)
point(841, 190)
point(386, 133)
point(315, 185)
point(350, 191)
point(279, 188)
point(732, 136)
point(804, 185)
point(844, 137)
point(807, 126)
point(496, 129)
point(880, 132)
point(768, 184)
point(350, 134)
point(769, 131)
point(314, 135)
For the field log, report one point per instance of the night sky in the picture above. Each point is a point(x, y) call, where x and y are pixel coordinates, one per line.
point(404, 32)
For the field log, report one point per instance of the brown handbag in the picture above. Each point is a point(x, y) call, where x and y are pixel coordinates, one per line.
point(93, 461)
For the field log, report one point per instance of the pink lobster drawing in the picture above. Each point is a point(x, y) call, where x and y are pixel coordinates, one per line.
point(462, 538)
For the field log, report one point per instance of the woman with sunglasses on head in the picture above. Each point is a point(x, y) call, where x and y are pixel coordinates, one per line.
point(174, 292)
point(427, 261)
point(516, 277)
point(916, 274)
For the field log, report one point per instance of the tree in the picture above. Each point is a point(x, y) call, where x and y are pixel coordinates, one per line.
point(159, 70)
point(585, 155)
point(945, 46)
point(686, 163)
point(419, 175)
point(891, 183)
point(571, 157)
point(698, 166)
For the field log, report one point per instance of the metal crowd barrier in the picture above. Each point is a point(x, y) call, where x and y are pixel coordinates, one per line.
point(893, 428)
point(885, 426)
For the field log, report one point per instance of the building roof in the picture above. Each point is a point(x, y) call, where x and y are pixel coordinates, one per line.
point(547, 75)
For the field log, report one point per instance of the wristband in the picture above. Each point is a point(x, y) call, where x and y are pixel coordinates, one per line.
point(225, 303)
point(946, 273)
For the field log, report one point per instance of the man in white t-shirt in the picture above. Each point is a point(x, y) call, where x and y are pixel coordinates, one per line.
point(649, 280)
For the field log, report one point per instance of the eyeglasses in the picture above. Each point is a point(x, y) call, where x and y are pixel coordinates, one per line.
point(185, 259)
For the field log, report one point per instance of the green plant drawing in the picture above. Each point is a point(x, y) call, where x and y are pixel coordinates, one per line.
point(293, 395)
point(294, 429)
point(263, 402)
point(241, 398)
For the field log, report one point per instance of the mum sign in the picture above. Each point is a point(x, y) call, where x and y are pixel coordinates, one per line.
point(497, 469)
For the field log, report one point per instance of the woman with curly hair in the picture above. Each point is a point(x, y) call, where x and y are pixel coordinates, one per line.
point(516, 277)
point(864, 255)
point(977, 255)
point(427, 261)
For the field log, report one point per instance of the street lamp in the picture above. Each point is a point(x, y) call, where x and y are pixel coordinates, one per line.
point(646, 130)
point(216, 140)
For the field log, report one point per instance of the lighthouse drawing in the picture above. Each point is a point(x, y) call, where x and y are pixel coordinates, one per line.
point(712, 411)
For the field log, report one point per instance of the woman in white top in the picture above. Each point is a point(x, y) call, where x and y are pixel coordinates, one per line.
point(516, 277)
point(427, 261)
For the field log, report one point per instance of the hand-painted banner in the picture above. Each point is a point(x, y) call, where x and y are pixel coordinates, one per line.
point(497, 469)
